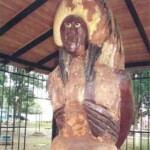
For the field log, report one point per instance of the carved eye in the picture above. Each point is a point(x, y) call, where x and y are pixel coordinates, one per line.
point(68, 25)
point(77, 25)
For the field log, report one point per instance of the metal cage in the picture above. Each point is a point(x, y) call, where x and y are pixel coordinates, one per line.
point(19, 93)
point(18, 89)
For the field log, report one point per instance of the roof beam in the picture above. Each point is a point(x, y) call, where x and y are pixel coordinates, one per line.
point(33, 43)
point(27, 11)
point(30, 45)
point(44, 60)
point(137, 64)
point(138, 24)
point(24, 62)
point(48, 58)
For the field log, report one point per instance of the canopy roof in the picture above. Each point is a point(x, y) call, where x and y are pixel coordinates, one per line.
point(26, 33)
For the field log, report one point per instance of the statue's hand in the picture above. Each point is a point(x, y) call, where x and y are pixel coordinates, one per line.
point(100, 121)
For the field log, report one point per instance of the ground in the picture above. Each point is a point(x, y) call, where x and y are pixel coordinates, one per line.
point(35, 140)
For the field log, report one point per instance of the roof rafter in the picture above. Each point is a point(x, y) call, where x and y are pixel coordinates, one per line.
point(27, 11)
point(44, 60)
point(30, 45)
point(138, 24)
point(137, 64)
point(24, 62)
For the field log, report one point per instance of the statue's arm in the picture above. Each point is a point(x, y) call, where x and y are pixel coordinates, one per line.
point(127, 105)
point(56, 92)
point(101, 122)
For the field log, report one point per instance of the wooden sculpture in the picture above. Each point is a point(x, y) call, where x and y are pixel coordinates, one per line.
point(90, 92)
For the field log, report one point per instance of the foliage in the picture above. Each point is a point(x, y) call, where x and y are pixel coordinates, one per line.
point(136, 143)
point(17, 89)
point(141, 86)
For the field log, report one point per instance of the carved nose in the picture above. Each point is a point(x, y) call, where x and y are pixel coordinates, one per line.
point(72, 32)
point(72, 35)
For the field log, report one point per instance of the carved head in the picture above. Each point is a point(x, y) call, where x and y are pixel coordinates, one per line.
point(74, 34)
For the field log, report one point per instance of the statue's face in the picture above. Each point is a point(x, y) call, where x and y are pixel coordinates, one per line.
point(74, 34)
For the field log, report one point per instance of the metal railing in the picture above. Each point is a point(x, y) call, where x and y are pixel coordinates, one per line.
point(19, 89)
point(19, 92)
point(139, 136)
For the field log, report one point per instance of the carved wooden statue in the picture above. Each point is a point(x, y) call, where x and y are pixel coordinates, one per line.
point(90, 92)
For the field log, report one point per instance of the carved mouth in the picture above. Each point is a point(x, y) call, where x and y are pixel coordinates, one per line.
point(71, 44)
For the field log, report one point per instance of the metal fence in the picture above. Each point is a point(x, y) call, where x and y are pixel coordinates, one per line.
point(19, 92)
point(139, 136)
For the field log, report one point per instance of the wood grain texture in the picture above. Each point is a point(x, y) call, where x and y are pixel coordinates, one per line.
point(40, 51)
point(41, 20)
point(9, 9)
point(135, 49)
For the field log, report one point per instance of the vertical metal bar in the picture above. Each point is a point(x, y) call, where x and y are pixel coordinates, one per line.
point(141, 123)
point(14, 113)
point(127, 144)
point(19, 114)
point(133, 134)
point(8, 105)
point(27, 101)
point(10, 85)
point(148, 110)
point(2, 95)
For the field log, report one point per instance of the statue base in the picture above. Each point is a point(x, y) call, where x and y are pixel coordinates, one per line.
point(80, 143)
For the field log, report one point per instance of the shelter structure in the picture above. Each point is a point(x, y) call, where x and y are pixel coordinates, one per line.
point(26, 33)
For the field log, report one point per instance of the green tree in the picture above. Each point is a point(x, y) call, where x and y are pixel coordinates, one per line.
point(17, 89)
point(141, 84)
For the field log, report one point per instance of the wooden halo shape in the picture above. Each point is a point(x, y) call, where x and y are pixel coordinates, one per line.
point(79, 8)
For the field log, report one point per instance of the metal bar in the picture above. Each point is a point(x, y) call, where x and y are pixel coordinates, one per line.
point(127, 144)
point(138, 24)
point(48, 58)
point(27, 11)
point(44, 60)
point(8, 109)
point(11, 87)
point(40, 98)
point(24, 62)
point(3, 80)
point(148, 116)
point(134, 138)
point(19, 74)
point(140, 78)
point(20, 110)
point(14, 118)
point(137, 64)
point(27, 103)
point(30, 45)
point(141, 127)
point(12, 127)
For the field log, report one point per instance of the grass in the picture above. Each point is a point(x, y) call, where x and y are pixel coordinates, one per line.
point(43, 142)
point(32, 142)
point(136, 144)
